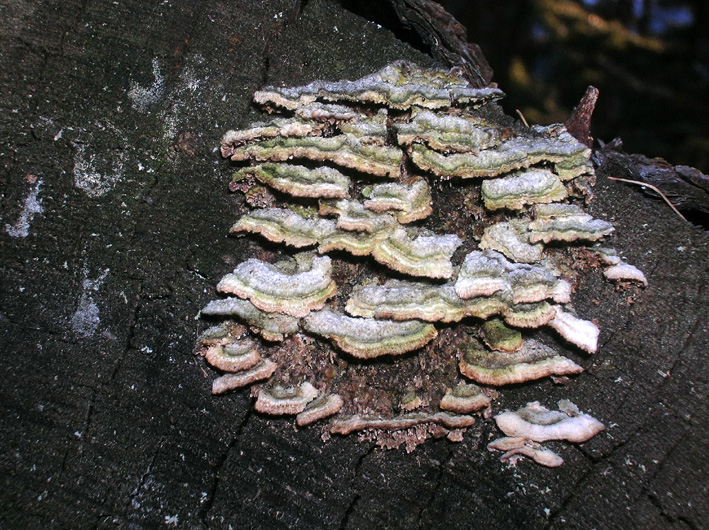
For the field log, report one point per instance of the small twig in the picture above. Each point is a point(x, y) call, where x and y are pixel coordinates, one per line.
point(656, 190)
point(524, 120)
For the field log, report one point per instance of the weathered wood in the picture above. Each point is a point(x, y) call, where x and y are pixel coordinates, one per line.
point(114, 109)
point(686, 187)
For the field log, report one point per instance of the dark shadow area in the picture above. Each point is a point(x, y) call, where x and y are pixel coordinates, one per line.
point(649, 59)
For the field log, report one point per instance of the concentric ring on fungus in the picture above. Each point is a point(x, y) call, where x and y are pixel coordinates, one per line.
point(375, 324)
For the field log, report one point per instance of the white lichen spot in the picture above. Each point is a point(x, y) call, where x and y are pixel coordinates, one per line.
point(141, 97)
point(31, 207)
point(87, 176)
point(86, 317)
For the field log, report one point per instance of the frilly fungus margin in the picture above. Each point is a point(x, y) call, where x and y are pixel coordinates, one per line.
point(405, 356)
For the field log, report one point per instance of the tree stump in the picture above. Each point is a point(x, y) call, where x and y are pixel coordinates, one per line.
point(115, 212)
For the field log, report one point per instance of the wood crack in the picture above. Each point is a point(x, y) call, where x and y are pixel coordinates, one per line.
point(357, 495)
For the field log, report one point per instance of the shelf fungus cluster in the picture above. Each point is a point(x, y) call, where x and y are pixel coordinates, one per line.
point(421, 241)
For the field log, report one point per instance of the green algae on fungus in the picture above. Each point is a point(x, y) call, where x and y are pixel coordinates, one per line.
point(271, 326)
point(285, 226)
point(500, 337)
point(299, 181)
point(290, 288)
point(418, 253)
point(524, 187)
point(570, 158)
point(532, 361)
point(409, 201)
point(358, 166)
point(565, 222)
point(345, 150)
point(400, 85)
point(367, 338)
point(511, 238)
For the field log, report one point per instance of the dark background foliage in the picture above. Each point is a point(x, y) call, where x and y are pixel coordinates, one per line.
point(649, 58)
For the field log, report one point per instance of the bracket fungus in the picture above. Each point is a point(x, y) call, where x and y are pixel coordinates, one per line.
point(539, 424)
point(299, 181)
point(516, 448)
point(285, 400)
point(383, 337)
point(535, 423)
point(293, 289)
point(531, 361)
point(366, 338)
point(271, 326)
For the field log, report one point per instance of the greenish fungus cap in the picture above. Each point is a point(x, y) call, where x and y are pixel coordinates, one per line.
point(356, 243)
point(418, 253)
point(565, 222)
point(511, 238)
point(271, 326)
point(516, 190)
point(343, 149)
point(282, 225)
point(367, 338)
point(326, 112)
point(278, 127)
point(283, 288)
point(532, 361)
point(464, 399)
point(450, 132)
point(501, 337)
point(285, 400)
point(370, 130)
point(400, 85)
point(484, 273)
point(300, 181)
point(408, 201)
point(543, 144)
point(406, 300)
point(353, 216)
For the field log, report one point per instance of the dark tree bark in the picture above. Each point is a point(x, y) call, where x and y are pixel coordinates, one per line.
point(109, 116)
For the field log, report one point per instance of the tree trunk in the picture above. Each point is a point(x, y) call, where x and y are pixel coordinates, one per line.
point(115, 214)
